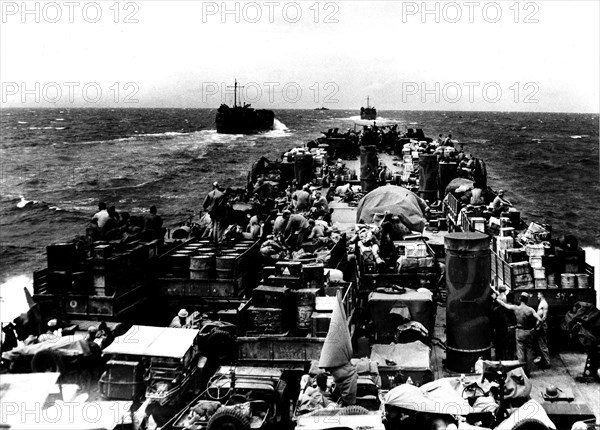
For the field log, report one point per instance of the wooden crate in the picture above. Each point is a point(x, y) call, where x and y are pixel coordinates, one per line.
point(287, 352)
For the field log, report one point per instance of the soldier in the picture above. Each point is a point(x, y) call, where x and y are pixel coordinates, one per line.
point(541, 335)
point(527, 321)
point(214, 203)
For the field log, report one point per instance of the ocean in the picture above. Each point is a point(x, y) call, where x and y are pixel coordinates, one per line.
point(56, 164)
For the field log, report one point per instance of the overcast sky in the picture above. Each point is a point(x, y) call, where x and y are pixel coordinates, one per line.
point(505, 55)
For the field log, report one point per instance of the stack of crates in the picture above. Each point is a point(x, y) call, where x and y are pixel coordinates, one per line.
point(65, 272)
point(320, 162)
point(107, 270)
point(270, 310)
point(535, 254)
point(286, 300)
point(521, 275)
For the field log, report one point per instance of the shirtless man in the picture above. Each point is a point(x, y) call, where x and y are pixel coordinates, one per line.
point(541, 335)
point(527, 321)
point(500, 204)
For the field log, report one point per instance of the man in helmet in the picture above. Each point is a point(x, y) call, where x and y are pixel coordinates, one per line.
point(181, 320)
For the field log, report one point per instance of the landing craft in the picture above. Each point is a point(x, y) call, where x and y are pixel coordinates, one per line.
point(243, 119)
point(369, 113)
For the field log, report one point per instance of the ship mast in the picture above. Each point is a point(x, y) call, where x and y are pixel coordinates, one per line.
point(235, 87)
point(367, 102)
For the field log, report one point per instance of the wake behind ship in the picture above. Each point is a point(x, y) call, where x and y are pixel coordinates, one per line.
point(243, 119)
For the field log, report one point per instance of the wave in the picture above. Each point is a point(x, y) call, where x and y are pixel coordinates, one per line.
point(23, 202)
point(132, 187)
point(165, 134)
point(356, 119)
point(279, 130)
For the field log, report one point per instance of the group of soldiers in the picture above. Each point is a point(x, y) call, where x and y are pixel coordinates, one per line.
point(519, 328)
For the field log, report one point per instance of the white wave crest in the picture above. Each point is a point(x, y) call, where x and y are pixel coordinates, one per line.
point(24, 202)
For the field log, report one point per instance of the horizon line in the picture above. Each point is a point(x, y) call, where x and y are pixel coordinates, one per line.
point(121, 107)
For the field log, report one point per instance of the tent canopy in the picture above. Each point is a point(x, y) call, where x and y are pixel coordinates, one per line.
point(399, 201)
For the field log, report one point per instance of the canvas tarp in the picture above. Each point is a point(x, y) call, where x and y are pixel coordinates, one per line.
point(336, 354)
point(399, 201)
point(442, 396)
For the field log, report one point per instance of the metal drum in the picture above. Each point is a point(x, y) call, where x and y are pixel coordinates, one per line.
point(305, 305)
point(567, 280)
point(202, 266)
point(179, 264)
point(369, 163)
point(225, 265)
point(428, 176)
point(469, 300)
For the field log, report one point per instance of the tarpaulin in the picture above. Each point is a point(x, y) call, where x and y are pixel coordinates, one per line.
point(399, 201)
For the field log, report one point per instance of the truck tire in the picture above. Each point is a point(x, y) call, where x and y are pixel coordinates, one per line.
point(354, 410)
point(530, 424)
point(47, 360)
point(220, 345)
point(228, 419)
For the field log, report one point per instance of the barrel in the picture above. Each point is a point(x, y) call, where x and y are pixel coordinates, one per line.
point(225, 264)
point(369, 164)
point(179, 263)
point(567, 280)
point(468, 299)
point(202, 266)
point(303, 168)
point(428, 176)
point(446, 172)
point(582, 280)
point(305, 305)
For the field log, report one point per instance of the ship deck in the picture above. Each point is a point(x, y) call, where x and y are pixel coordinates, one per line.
point(566, 366)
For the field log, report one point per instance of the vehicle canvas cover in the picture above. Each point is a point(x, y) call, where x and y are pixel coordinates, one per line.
point(68, 346)
point(399, 201)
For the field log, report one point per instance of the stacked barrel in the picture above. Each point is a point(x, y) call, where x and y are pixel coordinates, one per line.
point(200, 260)
point(285, 302)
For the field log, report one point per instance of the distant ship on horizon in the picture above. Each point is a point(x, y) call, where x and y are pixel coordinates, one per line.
point(243, 119)
point(322, 108)
point(369, 113)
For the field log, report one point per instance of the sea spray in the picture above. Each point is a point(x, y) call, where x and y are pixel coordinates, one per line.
point(12, 297)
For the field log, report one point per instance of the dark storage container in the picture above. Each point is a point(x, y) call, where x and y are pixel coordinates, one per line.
point(303, 169)
point(468, 299)
point(446, 172)
point(369, 164)
point(428, 175)
point(62, 256)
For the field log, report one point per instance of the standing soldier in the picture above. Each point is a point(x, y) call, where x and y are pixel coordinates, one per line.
point(214, 204)
point(541, 334)
point(527, 322)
